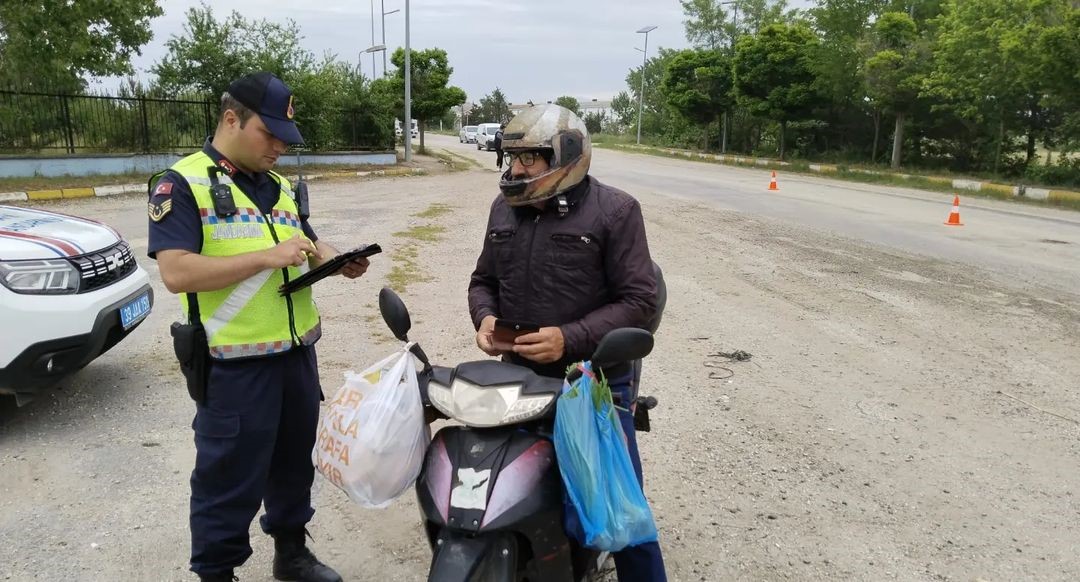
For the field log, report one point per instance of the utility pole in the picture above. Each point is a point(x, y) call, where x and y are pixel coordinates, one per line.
point(641, 94)
point(407, 130)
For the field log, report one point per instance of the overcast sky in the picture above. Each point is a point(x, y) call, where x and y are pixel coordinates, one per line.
point(531, 50)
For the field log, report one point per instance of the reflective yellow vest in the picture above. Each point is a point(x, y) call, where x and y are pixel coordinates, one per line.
point(250, 318)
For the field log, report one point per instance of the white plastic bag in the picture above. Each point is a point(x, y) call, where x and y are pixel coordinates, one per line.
point(372, 439)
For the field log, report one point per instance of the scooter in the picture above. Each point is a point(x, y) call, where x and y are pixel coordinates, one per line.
point(490, 492)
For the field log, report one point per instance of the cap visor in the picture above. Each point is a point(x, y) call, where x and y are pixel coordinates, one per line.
point(283, 129)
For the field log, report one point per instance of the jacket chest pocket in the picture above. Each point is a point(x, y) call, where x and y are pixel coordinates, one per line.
point(574, 251)
point(501, 242)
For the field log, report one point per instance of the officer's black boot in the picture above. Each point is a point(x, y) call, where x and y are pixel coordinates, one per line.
point(293, 561)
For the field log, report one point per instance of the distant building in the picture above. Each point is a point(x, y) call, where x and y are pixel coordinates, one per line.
point(586, 105)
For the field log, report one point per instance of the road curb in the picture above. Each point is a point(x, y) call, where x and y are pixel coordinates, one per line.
point(118, 189)
point(13, 197)
point(1009, 190)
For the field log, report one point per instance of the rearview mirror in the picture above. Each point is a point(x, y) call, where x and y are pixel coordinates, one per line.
point(395, 314)
point(625, 344)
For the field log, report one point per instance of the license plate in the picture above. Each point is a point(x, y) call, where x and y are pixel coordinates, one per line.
point(135, 310)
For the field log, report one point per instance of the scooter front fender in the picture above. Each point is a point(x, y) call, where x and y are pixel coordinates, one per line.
point(488, 558)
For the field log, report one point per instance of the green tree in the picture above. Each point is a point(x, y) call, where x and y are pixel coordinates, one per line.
point(431, 95)
point(595, 122)
point(985, 71)
point(569, 103)
point(211, 53)
point(624, 109)
point(774, 75)
point(1059, 53)
point(52, 45)
point(894, 73)
point(707, 24)
point(336, 108)
point(842, 25)
point(711, 24)
point(755, 15)
point(698, 83)
point(492, 108)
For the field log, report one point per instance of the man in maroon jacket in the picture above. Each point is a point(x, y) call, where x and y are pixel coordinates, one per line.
point(569, 254)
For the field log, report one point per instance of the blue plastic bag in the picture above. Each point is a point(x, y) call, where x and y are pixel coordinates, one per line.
point(597, 473)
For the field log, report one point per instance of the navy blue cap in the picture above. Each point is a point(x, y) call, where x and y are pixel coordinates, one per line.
point(270, 97)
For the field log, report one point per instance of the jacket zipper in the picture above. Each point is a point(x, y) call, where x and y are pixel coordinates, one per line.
point(528, 265)
point(572, 237)
point(285, 275)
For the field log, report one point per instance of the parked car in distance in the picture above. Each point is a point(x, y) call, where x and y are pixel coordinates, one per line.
point(397, 128)
point(485, 135)
point(467, 134)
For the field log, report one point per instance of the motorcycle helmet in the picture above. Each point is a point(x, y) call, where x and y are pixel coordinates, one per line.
point(563, 138)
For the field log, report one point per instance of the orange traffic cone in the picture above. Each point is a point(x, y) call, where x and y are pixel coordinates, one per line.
point(772, 183)
point(954, 216)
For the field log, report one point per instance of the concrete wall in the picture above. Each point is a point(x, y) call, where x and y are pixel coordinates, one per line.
point(25, 167)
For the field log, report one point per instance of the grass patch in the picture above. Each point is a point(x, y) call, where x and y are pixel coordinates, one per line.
point(453, 164)
point(456, 162)
point(435, 211)
point(466, 159)
point(613, 139)
point(423, 233)
point(406, 270)
point(52, 183)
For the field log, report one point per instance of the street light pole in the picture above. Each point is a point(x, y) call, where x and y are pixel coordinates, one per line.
point(382, 9)
point(641, 94)
point(372, 4)
point(407, 130)
point(384, 15)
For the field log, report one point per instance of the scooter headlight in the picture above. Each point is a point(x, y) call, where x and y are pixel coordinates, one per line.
point(484, 406)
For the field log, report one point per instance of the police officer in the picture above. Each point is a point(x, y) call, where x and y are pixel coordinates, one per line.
point(226, 232)
point(568, 253)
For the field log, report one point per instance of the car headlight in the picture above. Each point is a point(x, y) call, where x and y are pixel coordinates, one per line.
point(44, 277)
point(484, 406)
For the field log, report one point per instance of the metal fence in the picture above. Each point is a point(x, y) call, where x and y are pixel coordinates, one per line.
point(44, 123)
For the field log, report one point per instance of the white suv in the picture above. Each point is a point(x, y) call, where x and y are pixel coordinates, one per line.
point(485, 136)
point(70, 289)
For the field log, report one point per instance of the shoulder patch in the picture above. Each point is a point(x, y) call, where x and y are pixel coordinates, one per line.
point(163, 189)
point(159, 207)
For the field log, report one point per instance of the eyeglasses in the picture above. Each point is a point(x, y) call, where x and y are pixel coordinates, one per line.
point(527, 158)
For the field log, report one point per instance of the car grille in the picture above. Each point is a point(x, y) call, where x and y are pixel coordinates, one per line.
point(105, 267)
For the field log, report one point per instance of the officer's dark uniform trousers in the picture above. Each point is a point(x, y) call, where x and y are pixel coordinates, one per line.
point(253, 437)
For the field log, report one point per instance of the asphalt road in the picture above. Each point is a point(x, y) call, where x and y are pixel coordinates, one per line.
point(1035, 245)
